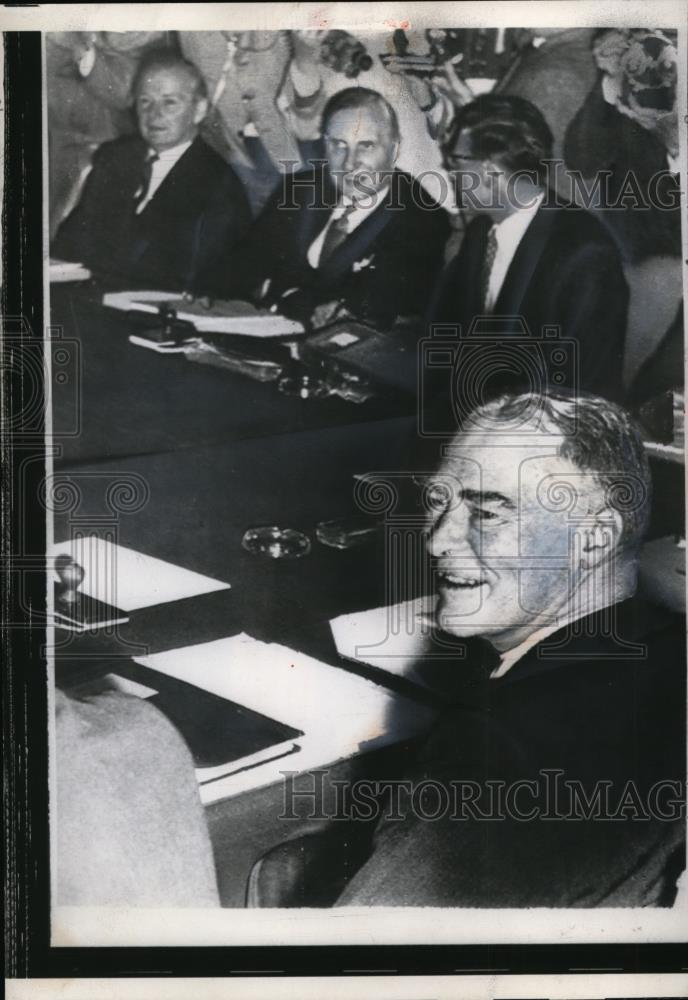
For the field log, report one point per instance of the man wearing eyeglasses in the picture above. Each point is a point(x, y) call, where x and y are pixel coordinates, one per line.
point(525, 253)
point(352, 234)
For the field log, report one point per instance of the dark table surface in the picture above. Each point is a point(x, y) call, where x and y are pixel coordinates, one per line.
point(112, 398)
point(177, 460)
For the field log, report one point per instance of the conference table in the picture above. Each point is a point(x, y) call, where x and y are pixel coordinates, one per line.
point(176, 460)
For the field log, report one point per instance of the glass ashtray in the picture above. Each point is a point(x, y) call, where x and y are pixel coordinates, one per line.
point(276, 543)
point(303, 386)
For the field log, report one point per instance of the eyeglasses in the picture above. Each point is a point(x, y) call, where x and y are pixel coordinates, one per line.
point(458, 161)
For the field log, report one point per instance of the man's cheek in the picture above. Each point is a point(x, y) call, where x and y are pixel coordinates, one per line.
point(498, 543)
point(542, 589)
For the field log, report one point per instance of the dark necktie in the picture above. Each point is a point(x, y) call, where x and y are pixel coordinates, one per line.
point(145, 178)
point(488, 263)
point(337, 232)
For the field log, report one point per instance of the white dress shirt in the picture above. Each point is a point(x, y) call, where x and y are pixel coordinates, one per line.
point(509, 234)
point(353, 221)
point(160, 169)
point(513, 655)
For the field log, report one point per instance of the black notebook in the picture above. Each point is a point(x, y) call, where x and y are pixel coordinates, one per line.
point(223, 737)
point(85, 613)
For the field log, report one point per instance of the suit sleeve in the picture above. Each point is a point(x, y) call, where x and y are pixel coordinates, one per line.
point(79, 235)
point(590, 303)
point(411, 271)
point(241, 265)
point(220, 228)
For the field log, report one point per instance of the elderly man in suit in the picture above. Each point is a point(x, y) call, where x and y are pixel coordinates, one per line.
point(89, 78)
point(352, 234)
point(526, 254)
point(156, 207)
point(554, 774)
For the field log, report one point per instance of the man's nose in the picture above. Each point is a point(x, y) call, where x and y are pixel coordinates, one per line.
point(153, 113)
point(450, 533)
point(351, 159)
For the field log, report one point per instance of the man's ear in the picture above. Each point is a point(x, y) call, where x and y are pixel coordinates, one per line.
point(200, 111)
point(600, 539)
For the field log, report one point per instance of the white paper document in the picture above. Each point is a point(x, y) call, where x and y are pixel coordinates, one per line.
point(65, 270)
point(232, 318)
point(392, 638)
point(339, 712)
point(131, 580)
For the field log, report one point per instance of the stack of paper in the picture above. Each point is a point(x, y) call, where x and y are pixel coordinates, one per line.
point(130, 580)
point(64, 270)
point(238, 318)
point(339, 712)
point(392, 638)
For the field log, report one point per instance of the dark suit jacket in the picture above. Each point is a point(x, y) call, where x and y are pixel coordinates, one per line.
point(591, 708)
point(199, 208)
point(566, 273)
point(383, 269)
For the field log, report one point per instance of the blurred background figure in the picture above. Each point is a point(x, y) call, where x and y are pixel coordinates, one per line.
point(628, 128)
point(555, 72)
point(628, 125)
point(89, 82)
point(244, 73)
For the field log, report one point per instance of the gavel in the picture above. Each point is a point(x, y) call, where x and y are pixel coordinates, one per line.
point(71, 576)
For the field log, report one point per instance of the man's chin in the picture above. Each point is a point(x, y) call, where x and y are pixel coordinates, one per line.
point(466, 615)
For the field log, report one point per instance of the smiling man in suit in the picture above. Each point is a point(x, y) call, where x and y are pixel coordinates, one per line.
point(351, 233)
point(525, 254)
point(156, 207)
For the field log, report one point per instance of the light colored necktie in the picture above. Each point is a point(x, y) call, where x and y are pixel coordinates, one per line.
point(488, 263)
point(337, 232)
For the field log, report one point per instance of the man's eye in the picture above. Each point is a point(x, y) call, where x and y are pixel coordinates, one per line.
point(485, 515)
point(366, 145)
point(437, 497)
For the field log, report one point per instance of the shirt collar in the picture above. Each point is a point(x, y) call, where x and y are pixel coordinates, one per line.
point(173, 154)
point(367, 203)
point(512, 656)
point(516, 224)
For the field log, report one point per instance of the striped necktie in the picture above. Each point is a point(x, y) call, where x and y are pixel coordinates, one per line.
point(146, 174)
point(488, 263)
point(337, 232)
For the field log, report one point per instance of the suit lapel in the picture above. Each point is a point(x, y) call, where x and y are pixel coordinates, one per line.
point(524, 263)
point(312, 219)
point(180, 182)
point(457, 299)
point(357, 243)
point(362, 238)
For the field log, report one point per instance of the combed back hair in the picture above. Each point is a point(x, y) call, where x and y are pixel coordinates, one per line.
point(353, 98)
point(509, 130)
point(165, 59)
point(599, 437)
